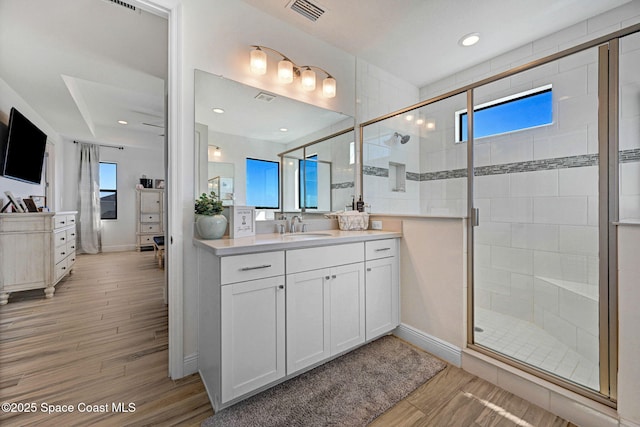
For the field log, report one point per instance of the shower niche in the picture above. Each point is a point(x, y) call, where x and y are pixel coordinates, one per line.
point(397, 177)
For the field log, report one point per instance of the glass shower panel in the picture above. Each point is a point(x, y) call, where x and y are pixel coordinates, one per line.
point(535, 275)
point(412, 163)
point(629, 137)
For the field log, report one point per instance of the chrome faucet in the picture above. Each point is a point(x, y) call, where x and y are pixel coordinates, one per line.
point(292, 226)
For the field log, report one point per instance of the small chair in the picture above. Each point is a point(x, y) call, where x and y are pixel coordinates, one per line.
point(158, 250)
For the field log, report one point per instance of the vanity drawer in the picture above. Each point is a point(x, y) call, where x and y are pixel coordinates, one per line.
point(324, 256)
point(151, 217)
point(240, 268)
point(381, 248)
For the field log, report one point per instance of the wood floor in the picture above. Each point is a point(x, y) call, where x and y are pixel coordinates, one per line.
point(102, 340)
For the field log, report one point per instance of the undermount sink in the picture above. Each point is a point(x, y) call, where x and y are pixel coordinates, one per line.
point(303, 236)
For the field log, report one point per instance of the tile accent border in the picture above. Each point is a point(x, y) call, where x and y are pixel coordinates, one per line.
point(340, 185)
point(583, 160)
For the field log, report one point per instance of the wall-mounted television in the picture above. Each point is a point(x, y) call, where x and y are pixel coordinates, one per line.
point(22, 151)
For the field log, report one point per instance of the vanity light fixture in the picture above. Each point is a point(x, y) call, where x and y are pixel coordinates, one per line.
point(469, 39)
point(420, 121)
point(217, 153)
point(289, 70)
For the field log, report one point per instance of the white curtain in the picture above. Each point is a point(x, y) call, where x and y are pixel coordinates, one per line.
point(89, 223)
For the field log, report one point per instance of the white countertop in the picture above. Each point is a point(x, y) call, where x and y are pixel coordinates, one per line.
point(275, 241)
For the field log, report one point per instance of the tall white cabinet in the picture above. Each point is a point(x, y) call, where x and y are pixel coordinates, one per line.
point(36, 251)
point(149, 216)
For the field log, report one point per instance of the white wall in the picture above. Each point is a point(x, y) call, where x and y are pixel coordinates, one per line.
point(117, 234)
point(10, 98)
point(206, 45)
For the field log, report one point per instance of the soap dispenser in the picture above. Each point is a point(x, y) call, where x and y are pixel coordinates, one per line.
point(360, 205)
point(353, 203)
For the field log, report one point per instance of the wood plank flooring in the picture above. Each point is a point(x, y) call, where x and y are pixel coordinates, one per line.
point(102, 339)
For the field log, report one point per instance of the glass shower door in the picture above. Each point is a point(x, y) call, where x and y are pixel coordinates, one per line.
point(536, 248)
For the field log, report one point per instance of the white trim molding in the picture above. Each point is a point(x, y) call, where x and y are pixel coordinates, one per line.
point(431, 344)
point(190, 364)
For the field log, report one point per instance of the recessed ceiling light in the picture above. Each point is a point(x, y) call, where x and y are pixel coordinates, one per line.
point(419, 121)
point(469, 39)
point(218, 110)
point(409, 117)
point(284, 130)
point(123, 122)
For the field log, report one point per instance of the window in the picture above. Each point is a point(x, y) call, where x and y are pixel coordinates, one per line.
point(108, 191)
point(263, 184)
point(308, 179)
point(524, 110)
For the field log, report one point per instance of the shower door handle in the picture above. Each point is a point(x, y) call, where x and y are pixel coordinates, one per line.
point(475, 217)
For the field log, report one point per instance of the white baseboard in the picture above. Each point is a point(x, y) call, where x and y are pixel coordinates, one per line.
point(119, 248)
point(190, 364)
point(626, 423)
point(431, 344)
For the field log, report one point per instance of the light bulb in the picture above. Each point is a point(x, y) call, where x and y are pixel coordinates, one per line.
point(329, 87)
point(285, 71)
point(308, 80)
point(258, 64)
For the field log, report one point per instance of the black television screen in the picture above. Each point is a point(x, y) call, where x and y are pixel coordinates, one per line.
point(23, 151)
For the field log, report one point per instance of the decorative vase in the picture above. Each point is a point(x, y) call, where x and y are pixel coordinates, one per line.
point(211, 226)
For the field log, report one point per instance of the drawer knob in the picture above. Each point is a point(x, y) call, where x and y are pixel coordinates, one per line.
point(327, 277)
point(62, 238)
point(61, 222)
point(368, 269)
point(333, 277)
point(281, 287)
point(62, 253)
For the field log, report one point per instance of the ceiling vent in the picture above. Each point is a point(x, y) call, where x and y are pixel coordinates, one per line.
point(266, 97)
point(311, 11)
point(123, 4)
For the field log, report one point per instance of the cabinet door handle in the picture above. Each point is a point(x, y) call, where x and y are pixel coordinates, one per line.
point(257, 267)
point(383, 249)
point(333, 277)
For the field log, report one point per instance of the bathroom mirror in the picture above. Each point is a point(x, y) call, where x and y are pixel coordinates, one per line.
point(235, 122)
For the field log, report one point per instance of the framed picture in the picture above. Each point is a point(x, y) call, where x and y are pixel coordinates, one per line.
point(160, 184)
point(242, 221)
point(40, 201)
point(31, 206)
point(12, 201)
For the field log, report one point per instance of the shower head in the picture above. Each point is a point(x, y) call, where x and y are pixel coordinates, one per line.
point(402, 139)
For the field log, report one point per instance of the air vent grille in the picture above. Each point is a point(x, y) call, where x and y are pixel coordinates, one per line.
point(266, 97)
point(123, 4)
point(307, 9)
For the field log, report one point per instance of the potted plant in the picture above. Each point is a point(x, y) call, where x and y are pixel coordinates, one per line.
point(209, 221)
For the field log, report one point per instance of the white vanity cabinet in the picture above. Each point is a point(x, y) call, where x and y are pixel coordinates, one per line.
point(242, 323)
point(382, 287)
point(325, 303)
point(271, 308)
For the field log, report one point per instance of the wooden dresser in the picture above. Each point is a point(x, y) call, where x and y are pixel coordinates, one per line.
point(36, 251)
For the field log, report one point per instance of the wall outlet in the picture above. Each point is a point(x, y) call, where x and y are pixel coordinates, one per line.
point(376, 225)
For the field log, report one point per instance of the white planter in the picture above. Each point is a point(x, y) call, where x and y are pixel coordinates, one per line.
point(211, 227)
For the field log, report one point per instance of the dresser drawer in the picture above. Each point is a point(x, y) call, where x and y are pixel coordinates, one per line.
point(325, 256)
point(145, 240)
point(71, 220)
point(240, 268)
point(61, 269)
point(60, 221)
point(71, 246)
point(60, 253)
point(60, 238)
point(381, 248)
point(71, 235)
point(149, 227)
point(150, 217)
